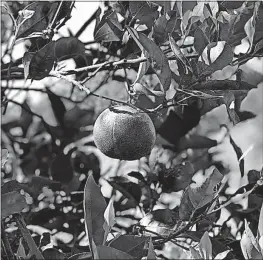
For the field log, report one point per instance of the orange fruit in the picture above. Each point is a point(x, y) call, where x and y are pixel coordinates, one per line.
point(124, 133)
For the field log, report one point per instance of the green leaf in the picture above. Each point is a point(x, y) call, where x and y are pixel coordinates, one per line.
point(250, 25)
point(224, 58)
point(260, 223)
point(179, 55)
point(105, 252)
point(21, 250)
point(159, 61)
point(109, 29)
point(143, 67)
point(4, 157)
point(200, 40)
point(94, 208)
point(222, 255)
point(81, 256)
point(109, 216)
point(130, 244)
point(53, 253)
point(151, 254)
point(26, 62)
point(249, 245)
point(11, 203)
point(194, 253)
point(144, 12)
point(196, 197)
point(42, 62)
point(205, 246)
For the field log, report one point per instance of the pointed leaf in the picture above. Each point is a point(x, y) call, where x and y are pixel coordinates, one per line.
point(21, 250)
point(239, 154)
point(224, 58)
point(222, 255)
point(196, 197)
point(260, 223)
point(105, 252)
point(195, 254)
point(42, 62)
point(26, 62)
point(81, 256)
point(109, 216)
point(205, 246)
point(151, 254)
point(200, 40)
point(159, 61)
point(11, 203)
point(130, 244)
point(94, 208)
point(58, 107)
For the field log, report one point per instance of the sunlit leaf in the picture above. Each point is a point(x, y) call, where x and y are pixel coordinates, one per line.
point(151, 254)
point(205, 246)
point(196, 197)
point(94, 208)
point(109, 216)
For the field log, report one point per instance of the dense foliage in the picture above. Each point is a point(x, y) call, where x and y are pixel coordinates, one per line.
point(187, 64)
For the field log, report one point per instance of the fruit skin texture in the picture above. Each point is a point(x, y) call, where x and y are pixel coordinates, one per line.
point(124, 133)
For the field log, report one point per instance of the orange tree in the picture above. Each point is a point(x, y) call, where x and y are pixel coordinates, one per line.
point(197, 193)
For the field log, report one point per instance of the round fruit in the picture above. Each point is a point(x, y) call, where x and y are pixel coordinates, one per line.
point(124, 133)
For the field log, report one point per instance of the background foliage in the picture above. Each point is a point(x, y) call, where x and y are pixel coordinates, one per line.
point(189, 64)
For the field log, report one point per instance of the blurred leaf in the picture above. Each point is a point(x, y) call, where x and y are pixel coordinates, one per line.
point(151, 254)
point(42, 62)
point(109, 216)
point(130, 244)
point(108, 29)
point(53, 253)
point(26, 118)
point(12, 202)
point(26, 62)
point(250, 25)
point(61, 168)
point(58, 107)
point(166, 216)
point(224, 58)
point(260, 224)
point(68, 47)
point(159, 61)
point(205, 246)
point(200, 40)
point(137, 175)
point(129, 189)
point(10, 186)
point(81, 256)
point(78, 117)
point(4, 157)
point(259, 46)
point(94, 208)
point(196, 197)
point(144, 12)
point(222, 255)
point(110, 253)
point(194, 253)
point(195, 142)
point(177, 178)
point(239, 154)
point(21, 250)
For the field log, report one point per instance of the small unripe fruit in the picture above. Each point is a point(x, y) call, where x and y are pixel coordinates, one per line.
point(124, 133)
